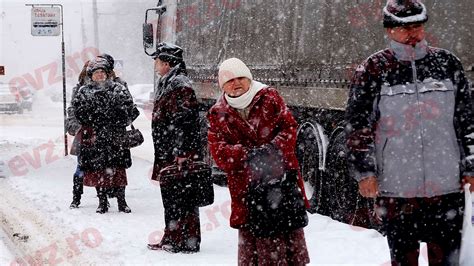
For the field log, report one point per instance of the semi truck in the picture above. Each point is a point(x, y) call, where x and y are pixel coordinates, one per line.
point(308, 50)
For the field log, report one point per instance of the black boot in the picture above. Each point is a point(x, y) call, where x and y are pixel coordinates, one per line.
point(105, 192)
point(76, 201)
point(77, 190)
point(122, 204)
point(102, 208)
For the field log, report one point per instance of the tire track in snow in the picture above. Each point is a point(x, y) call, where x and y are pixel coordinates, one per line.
point(36, 238)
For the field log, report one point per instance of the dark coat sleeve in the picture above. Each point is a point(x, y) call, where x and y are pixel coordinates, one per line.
point(72, 125)
point(91, 107)
point(99, 108)
point(122, 110)
point(176, 124)
point(359, 118)
point(185, 121)
point(464, 116)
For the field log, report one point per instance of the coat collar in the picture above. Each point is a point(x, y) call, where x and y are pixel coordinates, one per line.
point(404, 52)
point(243, 126)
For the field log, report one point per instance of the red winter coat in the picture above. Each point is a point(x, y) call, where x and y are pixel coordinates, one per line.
point(231, 138)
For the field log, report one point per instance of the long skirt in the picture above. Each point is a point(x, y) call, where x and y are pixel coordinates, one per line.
point(283, 249)
point(106, 178)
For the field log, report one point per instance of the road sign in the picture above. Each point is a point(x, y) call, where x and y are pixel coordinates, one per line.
point(45, 21)
point(2, 70)
point(118, 63)
point(118, 67)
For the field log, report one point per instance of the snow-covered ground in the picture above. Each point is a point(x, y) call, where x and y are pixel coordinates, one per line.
point(38, 173)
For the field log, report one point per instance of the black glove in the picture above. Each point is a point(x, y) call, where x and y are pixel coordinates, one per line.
point(266, 163)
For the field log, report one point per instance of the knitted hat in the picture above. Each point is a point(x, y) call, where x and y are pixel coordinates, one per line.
point(399, 13)
point(233, 68)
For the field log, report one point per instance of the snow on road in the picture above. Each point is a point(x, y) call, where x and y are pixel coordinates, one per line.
point(32, 149)
point(5, 255)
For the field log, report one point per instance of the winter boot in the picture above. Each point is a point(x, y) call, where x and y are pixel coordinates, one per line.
point(111, 192)
point(122, 204)
point(102, 208)
point(76, 201)
point(105, 192)
point(77, 190)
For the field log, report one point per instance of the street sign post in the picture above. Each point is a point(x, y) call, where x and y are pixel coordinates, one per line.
point(45, 21)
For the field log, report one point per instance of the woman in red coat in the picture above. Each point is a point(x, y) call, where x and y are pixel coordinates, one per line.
point(249, 119)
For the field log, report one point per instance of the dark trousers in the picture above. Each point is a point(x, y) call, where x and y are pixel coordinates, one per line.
point(182, 225)
point(436, 221)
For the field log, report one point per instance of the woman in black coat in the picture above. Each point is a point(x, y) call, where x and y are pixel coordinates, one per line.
point(175, 131)
point(104, 109)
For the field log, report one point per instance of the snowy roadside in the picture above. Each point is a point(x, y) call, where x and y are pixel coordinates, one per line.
point(42, 178)
point(6, 255)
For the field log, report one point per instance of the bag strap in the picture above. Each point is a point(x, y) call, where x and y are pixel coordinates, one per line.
point(131, 125)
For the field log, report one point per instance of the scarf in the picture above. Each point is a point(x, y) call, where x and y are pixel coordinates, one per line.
point(244, 100)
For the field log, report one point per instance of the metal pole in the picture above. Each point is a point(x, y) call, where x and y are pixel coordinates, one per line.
point(64, 80)
point(96, 22)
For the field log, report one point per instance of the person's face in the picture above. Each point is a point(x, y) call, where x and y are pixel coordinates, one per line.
point(99, 75)
point(410, 34)
point(236, 87)
point(162, 67)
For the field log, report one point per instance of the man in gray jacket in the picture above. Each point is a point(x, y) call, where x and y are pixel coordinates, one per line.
point(409, 124)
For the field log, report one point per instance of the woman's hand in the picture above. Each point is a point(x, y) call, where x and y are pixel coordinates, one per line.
point(468, 180)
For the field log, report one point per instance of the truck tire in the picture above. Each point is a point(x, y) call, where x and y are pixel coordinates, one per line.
point(309, 151)
point(347, 205)
point(343, 188)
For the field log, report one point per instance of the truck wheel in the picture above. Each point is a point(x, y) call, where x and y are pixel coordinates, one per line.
point(308, 151)
point(343, 188)
point(347, 205)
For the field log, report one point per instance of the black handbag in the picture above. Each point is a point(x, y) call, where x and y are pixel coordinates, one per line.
point(190, 183)
point(276, 207)
point(133, 138)
point(274, 201)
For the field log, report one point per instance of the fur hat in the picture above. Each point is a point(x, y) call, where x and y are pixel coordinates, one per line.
point(98, 63)
point(399, 13)
point(233, 68)
point(168, 52)
point(109, 59)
